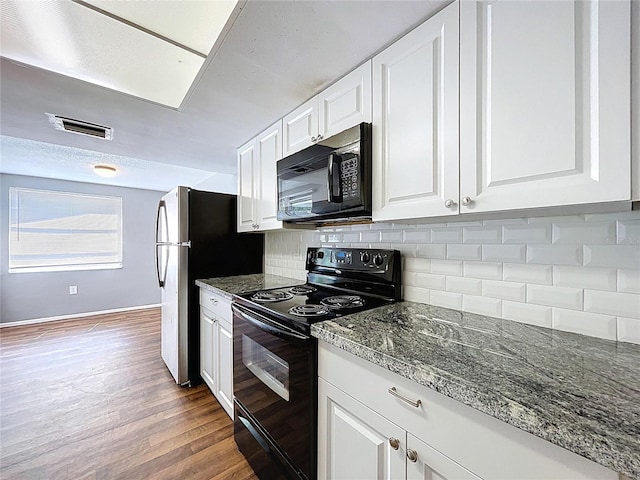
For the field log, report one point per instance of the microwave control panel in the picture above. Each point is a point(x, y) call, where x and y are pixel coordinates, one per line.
point(350, 180)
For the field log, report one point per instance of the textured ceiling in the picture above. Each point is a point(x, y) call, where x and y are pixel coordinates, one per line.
point(276, 55)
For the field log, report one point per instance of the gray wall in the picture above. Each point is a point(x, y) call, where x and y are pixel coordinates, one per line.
point(25, 296)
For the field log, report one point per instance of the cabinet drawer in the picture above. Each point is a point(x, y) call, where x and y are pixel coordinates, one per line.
point(484, 445)
point(216, 305)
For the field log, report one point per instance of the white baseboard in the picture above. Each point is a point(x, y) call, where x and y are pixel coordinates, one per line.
point(75, 315)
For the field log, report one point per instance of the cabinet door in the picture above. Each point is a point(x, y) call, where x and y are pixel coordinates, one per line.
point(207, 371)
point(544, 103)
point(300, 127)
point(269, 145)
point(246, 187)
point(346, 103)
point(415, 122)
point(224, 354)
point(430, 464)
point(353, 441)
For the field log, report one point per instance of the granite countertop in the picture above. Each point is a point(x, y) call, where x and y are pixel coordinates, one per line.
point(229, 286)
point(578, 392)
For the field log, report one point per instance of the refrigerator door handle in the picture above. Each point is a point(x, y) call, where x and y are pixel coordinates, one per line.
point(160, 282)
point(162, 206)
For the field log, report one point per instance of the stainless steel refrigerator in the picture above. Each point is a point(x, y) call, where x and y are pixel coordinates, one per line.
point(196, 238)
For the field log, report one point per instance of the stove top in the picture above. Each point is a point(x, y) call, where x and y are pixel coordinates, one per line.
point(307, 303)
point(340, 281)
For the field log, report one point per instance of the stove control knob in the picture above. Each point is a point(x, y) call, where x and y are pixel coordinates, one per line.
point(377, 259)
point(365, 257)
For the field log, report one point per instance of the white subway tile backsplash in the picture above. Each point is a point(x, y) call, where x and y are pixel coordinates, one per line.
point(418, 264)
point(432, 250)
point(431, 281)
point(612, 303)
point(446, 299)
point(350, 237)
point(391, 236)
point(527, 313)
point(553, 296)
point(482, 270)
point(629, 281)
point(464, 252)
point(530, 234)
point(504, 253)
point(482, 234)
point(593, 324)
point(527, 273)
point(482, 305)
point(579, 273)
point(554, 254)
point(587, 232)
point(629, 330)
point(599, 217)
point(446, 267)
point(416, 294)
point(472, 286)
point(417, 236)
point(616, 256)
point(369, 237)
point(409, 278)
point(563, 218)
point(446, 235)
point(504, 290)
point(629, 232)
point(584, 277)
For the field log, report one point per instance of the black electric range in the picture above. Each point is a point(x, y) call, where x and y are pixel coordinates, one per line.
point(275, 356)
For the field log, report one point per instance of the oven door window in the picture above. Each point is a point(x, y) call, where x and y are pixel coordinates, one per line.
point(272, 370)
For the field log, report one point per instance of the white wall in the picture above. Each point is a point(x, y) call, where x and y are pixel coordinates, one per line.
point(577, 273)
point(26, 296)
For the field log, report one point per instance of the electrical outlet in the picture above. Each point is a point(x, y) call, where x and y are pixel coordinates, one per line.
point(73, 289)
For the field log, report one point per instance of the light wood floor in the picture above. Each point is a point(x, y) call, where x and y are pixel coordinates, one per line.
point(91, 399)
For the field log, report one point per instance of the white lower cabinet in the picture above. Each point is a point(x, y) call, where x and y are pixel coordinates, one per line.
point(365, 432)
point(216, 347)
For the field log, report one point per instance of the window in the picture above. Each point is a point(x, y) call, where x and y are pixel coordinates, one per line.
point(54, 231)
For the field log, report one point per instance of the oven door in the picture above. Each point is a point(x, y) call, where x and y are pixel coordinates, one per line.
point(275, 383)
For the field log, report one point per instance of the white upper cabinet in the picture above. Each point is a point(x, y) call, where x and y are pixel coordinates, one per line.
point(544, 103)
point(344, 104)
point(415, 122)
point(269, 146)
point(257, 181)
point(246, 187)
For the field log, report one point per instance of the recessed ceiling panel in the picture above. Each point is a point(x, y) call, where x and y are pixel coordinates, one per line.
point(76, 41)
point(195, 24)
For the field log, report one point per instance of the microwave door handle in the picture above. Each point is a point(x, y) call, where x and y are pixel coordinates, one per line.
point(334, 190)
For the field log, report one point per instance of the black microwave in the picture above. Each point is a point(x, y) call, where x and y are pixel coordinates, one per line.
point(329, 181)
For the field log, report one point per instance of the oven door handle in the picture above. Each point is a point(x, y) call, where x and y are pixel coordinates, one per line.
point(263, 323)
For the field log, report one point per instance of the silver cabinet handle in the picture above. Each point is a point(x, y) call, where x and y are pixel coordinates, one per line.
point(466, 201)
point(412, 455)
point(314, 139)
point(394, 442)
point(449, 203)
point(395, 393)
point(319, 137)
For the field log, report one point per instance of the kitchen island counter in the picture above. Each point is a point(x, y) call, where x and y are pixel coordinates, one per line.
point(578, 392)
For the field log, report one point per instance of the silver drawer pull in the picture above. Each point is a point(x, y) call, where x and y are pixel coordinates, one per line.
point(394, 442)
point(413, 403)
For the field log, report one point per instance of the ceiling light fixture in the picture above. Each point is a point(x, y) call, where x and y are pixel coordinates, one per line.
point(104, 170)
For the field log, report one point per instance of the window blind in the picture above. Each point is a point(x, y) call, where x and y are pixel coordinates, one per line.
point(63, 231)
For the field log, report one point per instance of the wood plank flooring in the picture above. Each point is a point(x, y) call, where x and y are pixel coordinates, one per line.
point(91, 398)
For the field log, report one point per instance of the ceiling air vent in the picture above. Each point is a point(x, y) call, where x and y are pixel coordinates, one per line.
point(80, 127)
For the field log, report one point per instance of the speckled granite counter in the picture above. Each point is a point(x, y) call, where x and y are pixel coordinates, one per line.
point(579, 392)
point(229, 286)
